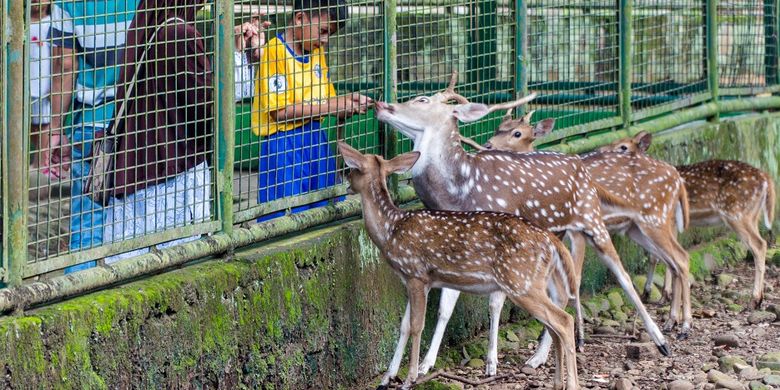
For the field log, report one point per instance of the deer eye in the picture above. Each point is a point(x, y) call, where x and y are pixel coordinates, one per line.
point(623, 148)
point(423, 100)
point(517, 134)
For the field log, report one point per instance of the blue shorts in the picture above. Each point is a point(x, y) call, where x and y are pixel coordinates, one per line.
point(295, 162)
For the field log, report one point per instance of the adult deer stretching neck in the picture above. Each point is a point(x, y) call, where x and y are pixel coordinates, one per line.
point(551, 190)
point(478, 252)
point(737, 195)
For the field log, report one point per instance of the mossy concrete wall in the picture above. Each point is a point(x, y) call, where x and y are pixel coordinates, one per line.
point(320, 310)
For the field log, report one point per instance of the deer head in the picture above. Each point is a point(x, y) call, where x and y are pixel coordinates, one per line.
point(432, 117)
point(636, 144)
point(517, 135)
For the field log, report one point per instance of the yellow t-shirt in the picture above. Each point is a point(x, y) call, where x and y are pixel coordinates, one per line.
point(283, 79)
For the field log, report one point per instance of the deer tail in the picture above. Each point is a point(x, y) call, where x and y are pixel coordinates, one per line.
point(565, 266)
point(769, 202)
point(682, 212)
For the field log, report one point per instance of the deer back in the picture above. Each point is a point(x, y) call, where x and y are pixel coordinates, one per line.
point(649, 185)
point(552, 190)
point(723, 187)
point(450, 248)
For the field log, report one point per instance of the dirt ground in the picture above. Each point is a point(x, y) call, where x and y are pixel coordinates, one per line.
point(717, 312)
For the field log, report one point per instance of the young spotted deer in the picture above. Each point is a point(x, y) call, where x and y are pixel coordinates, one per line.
point(737, 195)
point(477, 252)
point(517, 135)
point(660, 201)
point(552, 190)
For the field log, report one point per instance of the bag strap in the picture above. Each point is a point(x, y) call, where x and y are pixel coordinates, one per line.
point(131, 85)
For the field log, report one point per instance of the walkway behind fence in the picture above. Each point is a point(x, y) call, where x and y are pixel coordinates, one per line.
point(598, 66)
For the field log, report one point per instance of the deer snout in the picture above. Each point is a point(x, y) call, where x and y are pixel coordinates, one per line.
point(380, 105)
point(487, 145)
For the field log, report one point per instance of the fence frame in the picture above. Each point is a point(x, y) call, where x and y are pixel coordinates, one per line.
point(226, 236)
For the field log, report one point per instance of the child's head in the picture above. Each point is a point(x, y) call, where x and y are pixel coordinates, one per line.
point(314, 21)
point(40, 6)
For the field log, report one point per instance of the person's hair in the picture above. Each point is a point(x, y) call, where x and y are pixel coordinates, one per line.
point(336, 9)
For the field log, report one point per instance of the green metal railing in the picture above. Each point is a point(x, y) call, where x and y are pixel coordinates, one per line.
point(598, 66)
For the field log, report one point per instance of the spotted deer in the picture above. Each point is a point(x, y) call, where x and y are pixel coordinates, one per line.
point(552, 190)
point(652, 187)
point(517, 135)
point(660, 211)
point(478, 252)
point(734, 194)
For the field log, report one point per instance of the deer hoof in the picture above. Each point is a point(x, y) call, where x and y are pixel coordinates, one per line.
point(645, 296)
point(664, 349)
point(683, 335)
point(580, 344)
point(382, 387)
point(669, 326)
point(755, 303)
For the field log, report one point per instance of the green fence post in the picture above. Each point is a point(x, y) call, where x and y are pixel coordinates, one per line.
point(390, 82)
point(711, 36)
point(15, 148)
point(625, 9)
point(770, 42)
point(487, 46)
point(226, 110)
point(521, 50)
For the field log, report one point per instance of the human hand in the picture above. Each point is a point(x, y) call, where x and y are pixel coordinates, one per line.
point(54, 155)
point(251, 36)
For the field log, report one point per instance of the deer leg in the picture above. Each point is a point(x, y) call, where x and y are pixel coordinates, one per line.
point(606, 252)
point(748, 233)
point(449, 298)
point(561, 327)
point(662, 243)
point(418, 295)
point(648, 288)
point(666, 293)
point(543, 350)
point(578, 241)
point(496, 304)
point(395, 364)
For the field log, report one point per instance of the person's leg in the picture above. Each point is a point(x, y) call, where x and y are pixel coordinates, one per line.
point(86, 216)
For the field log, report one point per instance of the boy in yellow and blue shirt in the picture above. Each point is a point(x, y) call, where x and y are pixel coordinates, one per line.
point(292, 92)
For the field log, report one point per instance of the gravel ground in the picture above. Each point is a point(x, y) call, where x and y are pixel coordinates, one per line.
point(747, 341)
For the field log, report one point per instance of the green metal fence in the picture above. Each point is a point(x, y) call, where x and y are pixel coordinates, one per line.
point(597, 66)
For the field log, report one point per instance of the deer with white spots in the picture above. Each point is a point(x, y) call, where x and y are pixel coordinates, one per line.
point(477, 252)
point(552, 190)
point(652, 187)
point(737, 195)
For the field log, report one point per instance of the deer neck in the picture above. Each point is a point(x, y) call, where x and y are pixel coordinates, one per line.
point(442, 162)
point(379, 212)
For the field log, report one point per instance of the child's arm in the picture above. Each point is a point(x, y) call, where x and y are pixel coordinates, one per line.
point(342, 107)
point(55, 153)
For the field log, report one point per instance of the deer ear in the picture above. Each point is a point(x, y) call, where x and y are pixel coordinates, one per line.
point(470, 112)
point(544, 127)
point(352, 157)
point(403, 162)
point(643, 140)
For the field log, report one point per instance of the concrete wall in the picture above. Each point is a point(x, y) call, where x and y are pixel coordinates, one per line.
point(319, 310)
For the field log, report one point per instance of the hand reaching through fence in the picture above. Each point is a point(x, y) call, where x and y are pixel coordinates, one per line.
point(54, 155)
point(250, 36)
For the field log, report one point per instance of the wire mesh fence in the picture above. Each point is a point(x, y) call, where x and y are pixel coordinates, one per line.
point(747, 49)
point(311, 85)
point(138, 76)
point(668, 51)
point(573, 54)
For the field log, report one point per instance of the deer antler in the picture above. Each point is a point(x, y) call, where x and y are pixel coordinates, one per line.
point(516, 103)
point(449, 93)
point(472, 143)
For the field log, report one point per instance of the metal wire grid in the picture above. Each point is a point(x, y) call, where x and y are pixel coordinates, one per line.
point(475, 38)
point(746, 54)
point(573, 64)
point(99, 35)
point(354, 61)
point(669, 51)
